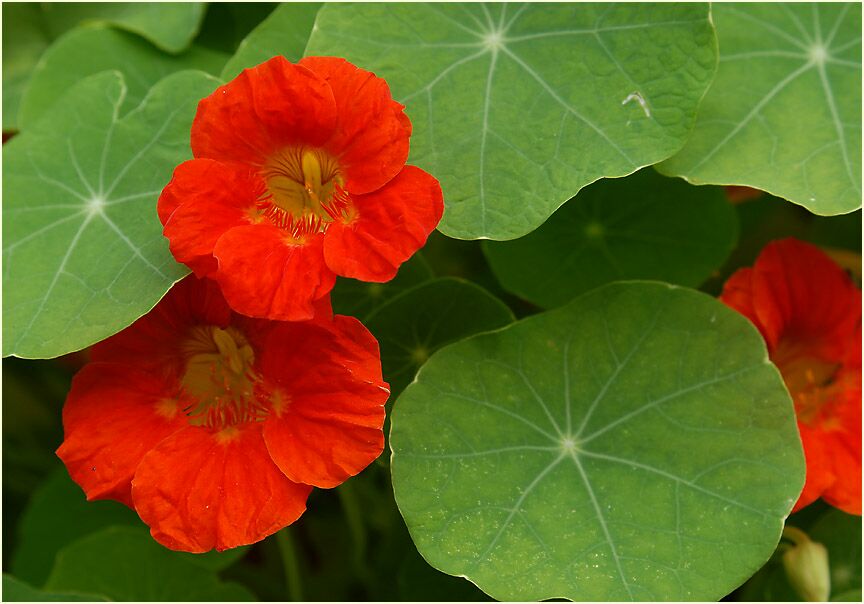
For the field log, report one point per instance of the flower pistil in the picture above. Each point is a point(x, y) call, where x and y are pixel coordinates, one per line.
point(220, 380)
point(305, 192)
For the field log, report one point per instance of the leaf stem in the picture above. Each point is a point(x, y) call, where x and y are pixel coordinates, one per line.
point(291, 564)
point(354, 518)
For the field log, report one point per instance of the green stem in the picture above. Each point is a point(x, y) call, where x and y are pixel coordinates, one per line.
point(351, 506)
point(291, 564)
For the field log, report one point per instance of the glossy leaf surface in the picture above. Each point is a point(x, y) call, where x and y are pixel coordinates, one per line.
point(784, 112)
point(598, 451)
point(515, 107)
point(83, 252)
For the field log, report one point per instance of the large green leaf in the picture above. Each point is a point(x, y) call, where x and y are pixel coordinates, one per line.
point(516, 107)
point(24, 40)
point(284, 32)
point(83, 249)
point(90, 49)
point(644, 226)
point(125, 563)
point(15, 590)
point(634, 444)
point(784, 112)
point(413, 325)
point(169, 25)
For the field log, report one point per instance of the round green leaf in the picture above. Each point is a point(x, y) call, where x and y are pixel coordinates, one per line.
point(284, 32)
point(516, 107)
point(416, 323)
point(90, 49)
point(125, 563)
point(784, 112)
point(643, 226)
point(636, 444)
point(83, 249)
point(169, 25)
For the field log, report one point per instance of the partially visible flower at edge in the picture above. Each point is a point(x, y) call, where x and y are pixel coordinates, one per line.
point(809, 312)
point(299, 175)
point(214, 426)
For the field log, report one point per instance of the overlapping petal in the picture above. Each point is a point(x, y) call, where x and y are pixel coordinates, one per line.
point(388, 226)
point(371, 136)
point(263, 274)
point(182, 417)
point(266, 108)
point(326, 423)
point(204, 199)
point(199, 490)
point(107, 404)
point(154, 342)
point(287, 155)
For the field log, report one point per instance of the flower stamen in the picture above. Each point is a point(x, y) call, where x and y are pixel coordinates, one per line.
point(220, 379)
point(305, 192)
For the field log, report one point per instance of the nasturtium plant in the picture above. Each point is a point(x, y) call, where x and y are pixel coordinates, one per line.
point(83, 254)
point(784, 112)
point(643, 226)
point(518, 106)
point(488, 300)
point(596, 452)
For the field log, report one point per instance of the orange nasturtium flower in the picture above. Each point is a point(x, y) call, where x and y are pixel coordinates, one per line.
point(299, 175)
point(809, 312)
point(214, 426)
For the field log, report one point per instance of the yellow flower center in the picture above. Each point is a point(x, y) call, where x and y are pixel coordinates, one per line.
point(305, 191)
point(220, 379)
point(810, 379)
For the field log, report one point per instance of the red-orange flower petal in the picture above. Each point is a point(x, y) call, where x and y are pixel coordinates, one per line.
point(371, 139)
point(327, 424)
point(181, 400)
point(154, 342)
point(266, 108)
point(106, 405)
point(262, 274)
point(322, 147)
point(389, 225)
point(199, 490)
point(809, 312)
point(215, 198)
